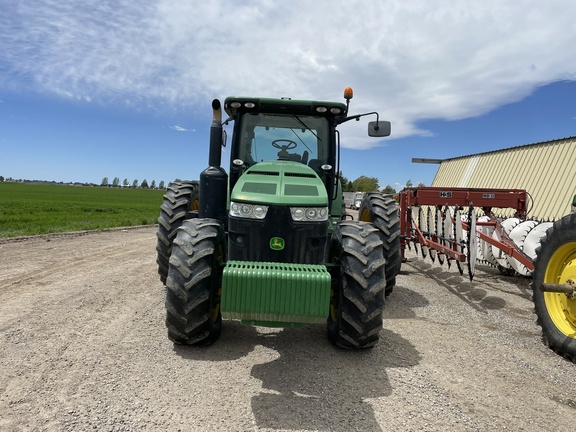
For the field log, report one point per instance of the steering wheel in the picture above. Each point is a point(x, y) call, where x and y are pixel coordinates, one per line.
point(291, 144)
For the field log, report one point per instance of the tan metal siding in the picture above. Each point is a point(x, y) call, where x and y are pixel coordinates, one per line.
point(469, 171)
point(546, 170)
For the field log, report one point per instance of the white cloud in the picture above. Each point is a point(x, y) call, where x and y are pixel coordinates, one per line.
point(179, 128)
point(410, 61)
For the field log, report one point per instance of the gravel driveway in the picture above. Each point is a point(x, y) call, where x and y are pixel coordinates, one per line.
point(84, 347)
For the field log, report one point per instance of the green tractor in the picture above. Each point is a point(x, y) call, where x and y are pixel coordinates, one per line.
point(269, 242)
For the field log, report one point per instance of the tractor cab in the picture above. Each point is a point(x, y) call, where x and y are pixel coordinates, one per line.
point(285, 130)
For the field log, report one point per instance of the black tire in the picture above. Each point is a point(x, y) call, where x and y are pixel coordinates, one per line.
point(194, 282)
point(358, 283)
point(382, 211)
point(180, 202)
point(556, 263)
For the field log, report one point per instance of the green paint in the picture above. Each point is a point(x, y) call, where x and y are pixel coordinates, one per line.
point(282, 183)
point(277, 294)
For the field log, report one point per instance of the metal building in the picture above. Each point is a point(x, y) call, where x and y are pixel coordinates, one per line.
point(546, 170)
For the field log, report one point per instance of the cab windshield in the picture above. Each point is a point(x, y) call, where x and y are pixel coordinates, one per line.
point(272, 137)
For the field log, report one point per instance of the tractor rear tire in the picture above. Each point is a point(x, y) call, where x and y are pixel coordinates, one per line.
point(180, 201)
point(358, 284)
point(555, 263)
point(193, 286)
point(382, 211)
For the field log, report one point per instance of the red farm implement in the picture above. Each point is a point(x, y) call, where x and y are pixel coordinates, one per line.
point(460, 225)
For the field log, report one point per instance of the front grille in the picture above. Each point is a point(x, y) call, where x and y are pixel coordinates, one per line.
point(249, 239)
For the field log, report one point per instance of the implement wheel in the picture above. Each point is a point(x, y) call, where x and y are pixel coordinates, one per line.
point(556, 264)
point(358, 283)
point(180, 202)
point(382, 211)
point(193, 286)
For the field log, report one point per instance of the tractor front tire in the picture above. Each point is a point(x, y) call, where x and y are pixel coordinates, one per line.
point(358, 284)
point(180, 200)
point(556, 264)
point(194, 282)
point(382, 211)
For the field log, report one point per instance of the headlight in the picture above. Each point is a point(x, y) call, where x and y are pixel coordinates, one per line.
point(309, 214)
point(250, 211)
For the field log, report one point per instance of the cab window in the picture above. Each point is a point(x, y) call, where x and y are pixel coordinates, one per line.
point(271, 137)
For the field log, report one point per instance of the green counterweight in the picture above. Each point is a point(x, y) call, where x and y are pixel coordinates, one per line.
point(275, 294)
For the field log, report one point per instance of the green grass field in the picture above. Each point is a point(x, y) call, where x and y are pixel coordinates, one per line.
point(30, 209)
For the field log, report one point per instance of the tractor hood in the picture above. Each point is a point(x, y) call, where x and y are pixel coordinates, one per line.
point(281, 183)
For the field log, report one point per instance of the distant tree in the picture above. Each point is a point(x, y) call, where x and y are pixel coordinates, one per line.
point(153, 184)
point(104, 182)
point(161, 184)
point(421, 184)
point(409, 183)
point(125, 182)
point(135, 183)
point(365, 184)
point(1, 179)
point(144, 184)
point(346, 184)
point(116, 182)
point(389, 190)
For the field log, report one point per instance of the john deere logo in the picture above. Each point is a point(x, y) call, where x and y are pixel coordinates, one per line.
point(276, 243)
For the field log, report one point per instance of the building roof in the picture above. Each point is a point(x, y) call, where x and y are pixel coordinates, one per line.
point(546, 170)
point(510, 148)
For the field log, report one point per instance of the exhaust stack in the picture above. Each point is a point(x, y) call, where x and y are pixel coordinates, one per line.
point(215, 156)
point(214, 180)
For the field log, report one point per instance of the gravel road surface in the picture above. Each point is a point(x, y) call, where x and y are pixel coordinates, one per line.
point(84, 347)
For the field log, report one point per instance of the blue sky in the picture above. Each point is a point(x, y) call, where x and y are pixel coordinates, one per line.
point(98, 89)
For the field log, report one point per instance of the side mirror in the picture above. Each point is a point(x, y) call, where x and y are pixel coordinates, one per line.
point(379, 128)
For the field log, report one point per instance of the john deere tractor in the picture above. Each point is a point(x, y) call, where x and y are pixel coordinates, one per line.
point(268, 242)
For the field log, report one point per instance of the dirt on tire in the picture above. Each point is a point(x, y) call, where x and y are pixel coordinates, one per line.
point(84, 347)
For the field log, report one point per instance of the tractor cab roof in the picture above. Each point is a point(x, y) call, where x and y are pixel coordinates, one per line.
point(234, 105)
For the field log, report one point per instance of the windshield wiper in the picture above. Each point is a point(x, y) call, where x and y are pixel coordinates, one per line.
point(299, 120)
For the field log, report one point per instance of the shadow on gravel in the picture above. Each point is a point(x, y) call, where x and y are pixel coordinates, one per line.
point(236, 341)
point(471, 292)
point(402, 302)
point(315, 386)
point(311, 385)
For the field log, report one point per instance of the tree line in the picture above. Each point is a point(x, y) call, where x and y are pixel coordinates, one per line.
point(369, 184)
point(144, 185)
point(105, 183)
